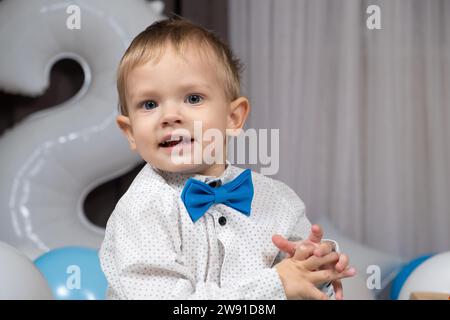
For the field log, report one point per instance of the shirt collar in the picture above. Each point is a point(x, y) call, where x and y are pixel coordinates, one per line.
point(178, 180)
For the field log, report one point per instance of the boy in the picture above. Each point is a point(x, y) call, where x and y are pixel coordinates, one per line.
point(189, 229)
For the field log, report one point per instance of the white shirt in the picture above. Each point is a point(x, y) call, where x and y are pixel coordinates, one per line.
point(153, 250)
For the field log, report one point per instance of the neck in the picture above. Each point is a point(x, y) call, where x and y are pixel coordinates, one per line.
point(215, 170)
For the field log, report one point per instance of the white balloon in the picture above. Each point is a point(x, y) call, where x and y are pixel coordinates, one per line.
point(432, 275)
point(19, 277)
point(54, 158)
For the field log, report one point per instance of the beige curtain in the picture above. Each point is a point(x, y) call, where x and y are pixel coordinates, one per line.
point(363, 114)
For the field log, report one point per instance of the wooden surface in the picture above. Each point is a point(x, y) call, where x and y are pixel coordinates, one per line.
point(429, 296)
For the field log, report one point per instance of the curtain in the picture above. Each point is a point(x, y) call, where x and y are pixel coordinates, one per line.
point(363, 114)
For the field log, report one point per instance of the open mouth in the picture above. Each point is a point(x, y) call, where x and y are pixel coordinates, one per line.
point(174, 142)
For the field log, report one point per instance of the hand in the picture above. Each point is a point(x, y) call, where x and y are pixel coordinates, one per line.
point(315, 238)
point(319, 250)
point(301, 274)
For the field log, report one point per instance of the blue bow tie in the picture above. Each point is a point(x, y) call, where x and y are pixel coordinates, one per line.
point(197, 196)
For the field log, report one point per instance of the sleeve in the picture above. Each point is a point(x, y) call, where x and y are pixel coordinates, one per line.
point(148, 264)
point(333, 243)
point(301, 229)
point(301, 226)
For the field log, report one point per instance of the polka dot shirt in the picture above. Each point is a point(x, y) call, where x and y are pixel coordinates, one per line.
point(153, 250)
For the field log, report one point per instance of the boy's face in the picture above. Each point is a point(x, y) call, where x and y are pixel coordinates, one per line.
point(170, 95)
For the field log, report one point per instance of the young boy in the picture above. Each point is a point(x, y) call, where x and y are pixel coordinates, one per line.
point(201, 229)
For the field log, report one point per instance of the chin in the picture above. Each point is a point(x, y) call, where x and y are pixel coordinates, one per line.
point(181, 168)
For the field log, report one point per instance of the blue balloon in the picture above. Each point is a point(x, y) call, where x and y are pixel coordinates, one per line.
point(73, 273)
point(404, 273)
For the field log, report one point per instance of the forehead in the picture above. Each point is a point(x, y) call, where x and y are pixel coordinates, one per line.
point(184, 66)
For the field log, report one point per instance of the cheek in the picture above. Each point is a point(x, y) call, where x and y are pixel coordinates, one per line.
point(143, 131)
point(213, 130)
point(215, 119)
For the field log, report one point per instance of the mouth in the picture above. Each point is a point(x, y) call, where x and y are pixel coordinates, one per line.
point(172, 142)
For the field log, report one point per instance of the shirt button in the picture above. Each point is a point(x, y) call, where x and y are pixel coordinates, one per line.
point(222, 221)
point(215, 184)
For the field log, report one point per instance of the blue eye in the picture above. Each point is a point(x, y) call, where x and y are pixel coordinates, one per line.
point(194, 99)
point(149, 105)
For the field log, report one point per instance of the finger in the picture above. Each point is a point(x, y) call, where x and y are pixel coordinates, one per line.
point(342, 263)
point(338, 291)
point(314, 263)
point(303, 251)
point(316, 233)
point(284, 244)
point(324, 276)
point(350, 272)
point(313, 293)
point(323, 249)
point(328, 266)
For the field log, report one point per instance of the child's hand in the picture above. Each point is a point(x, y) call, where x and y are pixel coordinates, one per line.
point(295, 250)
point(314, 238)
point(301, 275)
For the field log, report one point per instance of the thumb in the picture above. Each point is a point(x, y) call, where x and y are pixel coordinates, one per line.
point(316, 233)
point(284, 244)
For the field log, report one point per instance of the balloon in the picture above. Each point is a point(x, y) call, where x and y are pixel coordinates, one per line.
point(51, 160)
point(432, 275)
point(404, 273)
point(73, 273)
point(19, 277)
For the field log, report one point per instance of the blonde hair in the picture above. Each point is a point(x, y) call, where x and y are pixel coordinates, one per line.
point(178, 32)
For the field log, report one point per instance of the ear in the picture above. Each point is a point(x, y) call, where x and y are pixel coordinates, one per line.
point(124, 124)
point(239, 110)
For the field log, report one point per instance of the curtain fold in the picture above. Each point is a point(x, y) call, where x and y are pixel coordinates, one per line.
point(363, 114)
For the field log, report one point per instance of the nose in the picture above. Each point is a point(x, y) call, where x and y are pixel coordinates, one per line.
point(170, 115)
